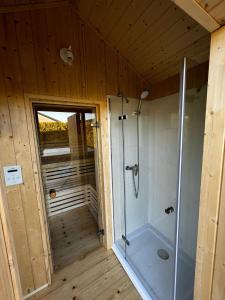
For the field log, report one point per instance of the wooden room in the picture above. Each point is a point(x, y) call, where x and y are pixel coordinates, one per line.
point(112, 122)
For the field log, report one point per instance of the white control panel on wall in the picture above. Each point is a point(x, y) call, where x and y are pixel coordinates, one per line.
point(13, 175)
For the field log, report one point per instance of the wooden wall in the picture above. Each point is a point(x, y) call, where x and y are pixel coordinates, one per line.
point(210, 275)
point(6, 286)
point(30, 63)
point(218, 285)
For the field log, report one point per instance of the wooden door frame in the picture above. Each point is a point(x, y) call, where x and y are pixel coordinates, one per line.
point(103, 172)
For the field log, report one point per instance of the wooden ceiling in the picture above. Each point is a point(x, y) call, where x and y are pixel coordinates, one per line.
point(152, 35)
point(215, 8)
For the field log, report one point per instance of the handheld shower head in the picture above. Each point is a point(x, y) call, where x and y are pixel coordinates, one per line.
point(144, 94)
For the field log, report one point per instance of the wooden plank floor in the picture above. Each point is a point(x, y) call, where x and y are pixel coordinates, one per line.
point(73, 236)
point(97, 276)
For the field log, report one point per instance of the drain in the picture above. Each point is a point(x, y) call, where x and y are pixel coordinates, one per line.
point(163, 254)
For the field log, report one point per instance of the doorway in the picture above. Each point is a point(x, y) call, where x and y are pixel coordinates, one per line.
point(68, 151)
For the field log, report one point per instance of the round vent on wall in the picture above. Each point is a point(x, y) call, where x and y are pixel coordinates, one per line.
point(66, 55)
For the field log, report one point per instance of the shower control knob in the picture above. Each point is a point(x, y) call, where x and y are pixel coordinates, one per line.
point(128, 168)
point(169, 210)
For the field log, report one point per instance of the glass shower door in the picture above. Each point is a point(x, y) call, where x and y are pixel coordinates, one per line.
point(117, 167)
point(153, 147)
point(151, 156)
point(192, 120)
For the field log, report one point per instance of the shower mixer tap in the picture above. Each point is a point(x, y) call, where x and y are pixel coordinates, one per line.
point(135, 172)
point(169, 210)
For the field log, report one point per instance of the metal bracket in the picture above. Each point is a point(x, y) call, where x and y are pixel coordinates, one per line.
point(95, 124)
point(100, 232)
point(125, 240)
point(123, 117)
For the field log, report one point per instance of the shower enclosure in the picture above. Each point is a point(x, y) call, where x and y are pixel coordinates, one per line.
point(159, 150)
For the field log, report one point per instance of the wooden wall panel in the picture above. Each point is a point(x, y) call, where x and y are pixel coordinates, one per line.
point(10, 287)
point(218, 289)
point(9, 157)
point(29, 57)
point(6, 287)
point(212, 166)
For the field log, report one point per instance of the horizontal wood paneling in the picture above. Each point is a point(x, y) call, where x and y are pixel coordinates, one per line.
point(9, 6)
point(29, 56)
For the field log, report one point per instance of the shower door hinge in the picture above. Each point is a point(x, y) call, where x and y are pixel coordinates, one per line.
point(100, 232)
point(125, 240)
point(95, 124)
point(123, 117)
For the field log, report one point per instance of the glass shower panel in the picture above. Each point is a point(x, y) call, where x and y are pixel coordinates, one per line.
point(117, 167)
point(193, 134)
point(150, 215)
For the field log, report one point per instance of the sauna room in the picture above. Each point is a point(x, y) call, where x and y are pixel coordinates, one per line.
point(67, 147)
point(111, 149)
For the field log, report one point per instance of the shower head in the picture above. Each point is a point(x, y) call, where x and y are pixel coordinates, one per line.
point(144, 94)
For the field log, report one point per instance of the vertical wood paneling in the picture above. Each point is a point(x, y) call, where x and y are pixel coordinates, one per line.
point(10, 286)
point(30, 44)
point(26, 51)
point(95, 48)
point(38, 26)
point(9, 157)
point(212, 166)
point(14, 89)
point(6, 287)
point(111, 69)
point(218, 288)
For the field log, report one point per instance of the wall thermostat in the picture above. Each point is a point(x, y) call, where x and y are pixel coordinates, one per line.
point(13, 175)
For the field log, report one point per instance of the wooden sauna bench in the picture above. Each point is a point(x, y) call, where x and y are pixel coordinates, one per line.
point(74, 183)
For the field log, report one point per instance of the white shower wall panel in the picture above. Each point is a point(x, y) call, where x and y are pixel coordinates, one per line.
point(163, 153)
point(158, 133)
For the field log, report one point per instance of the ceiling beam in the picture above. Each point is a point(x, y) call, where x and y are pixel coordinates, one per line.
point(5, 9)
point(194, 10)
